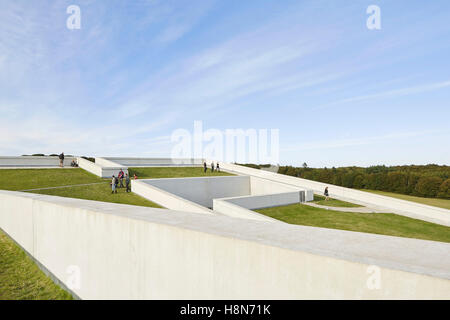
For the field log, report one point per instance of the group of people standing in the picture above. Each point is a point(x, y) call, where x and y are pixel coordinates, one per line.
point(205, 167)
point(117, 182)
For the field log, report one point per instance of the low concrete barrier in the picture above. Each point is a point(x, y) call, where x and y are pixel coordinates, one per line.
point(113, 251)
point(99, 168)
point(166, 199)
point(151, 162)
point(34, 161)
point(232, 210)
point(266, 201)
point(389, 204)
point(90, 166)
point(241, 207)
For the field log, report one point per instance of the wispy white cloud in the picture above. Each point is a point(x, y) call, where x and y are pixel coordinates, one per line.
point(351, 142)
point(252, 62)
point(392, 93)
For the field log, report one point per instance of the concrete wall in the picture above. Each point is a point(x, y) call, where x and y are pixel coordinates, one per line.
point(108, 163)
point(90, 166)
point(389, 204)
point(232, 210)
point(203, 190)
point(152, 162)
point(31, 161)
point(166, 199)
point(266, 201)
point(99, 168)
point(128, 252)
point(241, 207)
point(259, 186)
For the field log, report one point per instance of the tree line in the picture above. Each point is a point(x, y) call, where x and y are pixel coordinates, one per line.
point(419, 180)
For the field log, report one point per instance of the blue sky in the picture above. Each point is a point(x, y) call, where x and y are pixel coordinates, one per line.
point(339, 93)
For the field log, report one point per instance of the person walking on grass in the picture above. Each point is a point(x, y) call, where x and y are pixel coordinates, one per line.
point(121, 178)
point(204, 167)
point(117, 183)
point(326, 194)
point(127, 182)
point(113, 184)
point(217, 167)
point(212, 166)
point(61, 160)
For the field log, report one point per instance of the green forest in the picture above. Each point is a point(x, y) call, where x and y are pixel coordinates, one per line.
point(431, 181)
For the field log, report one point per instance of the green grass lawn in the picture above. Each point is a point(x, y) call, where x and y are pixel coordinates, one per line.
point(102, 192)
point(436, 202)
point(99, 192)
point(20, 277)
point(23, 179)
point(173, 172)
point(379, 223)
point(320, 200)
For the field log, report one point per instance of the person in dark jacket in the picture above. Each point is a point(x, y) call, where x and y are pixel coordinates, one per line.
point(326, 193)
point(204, 167)
point(61, 160)
point(116, 182)
point(121, 178)
point(127, 182)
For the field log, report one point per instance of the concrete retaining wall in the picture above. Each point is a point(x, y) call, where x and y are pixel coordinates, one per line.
point(241, 207)
point(113, 251)
point(203, 190)
point(90, 166)
point(151, 162)
point(389, 204)
point(99, 168)
point(266, 201)
point(232, 210)
point(33, 161)
point(261, 186)
point(108, 163)
point(166, 199)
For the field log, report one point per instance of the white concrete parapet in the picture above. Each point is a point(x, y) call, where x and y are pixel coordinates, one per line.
point(34, 161)
point(129, 252)
point(168, 200)
point(266, 200)
point(241, 207)
point(103, 169)
point(149, 162)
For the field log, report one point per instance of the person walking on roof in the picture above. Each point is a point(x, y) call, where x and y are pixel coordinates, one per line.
point(61, 160)
point(326, 193)
point(113, 184)
point(127, 182)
